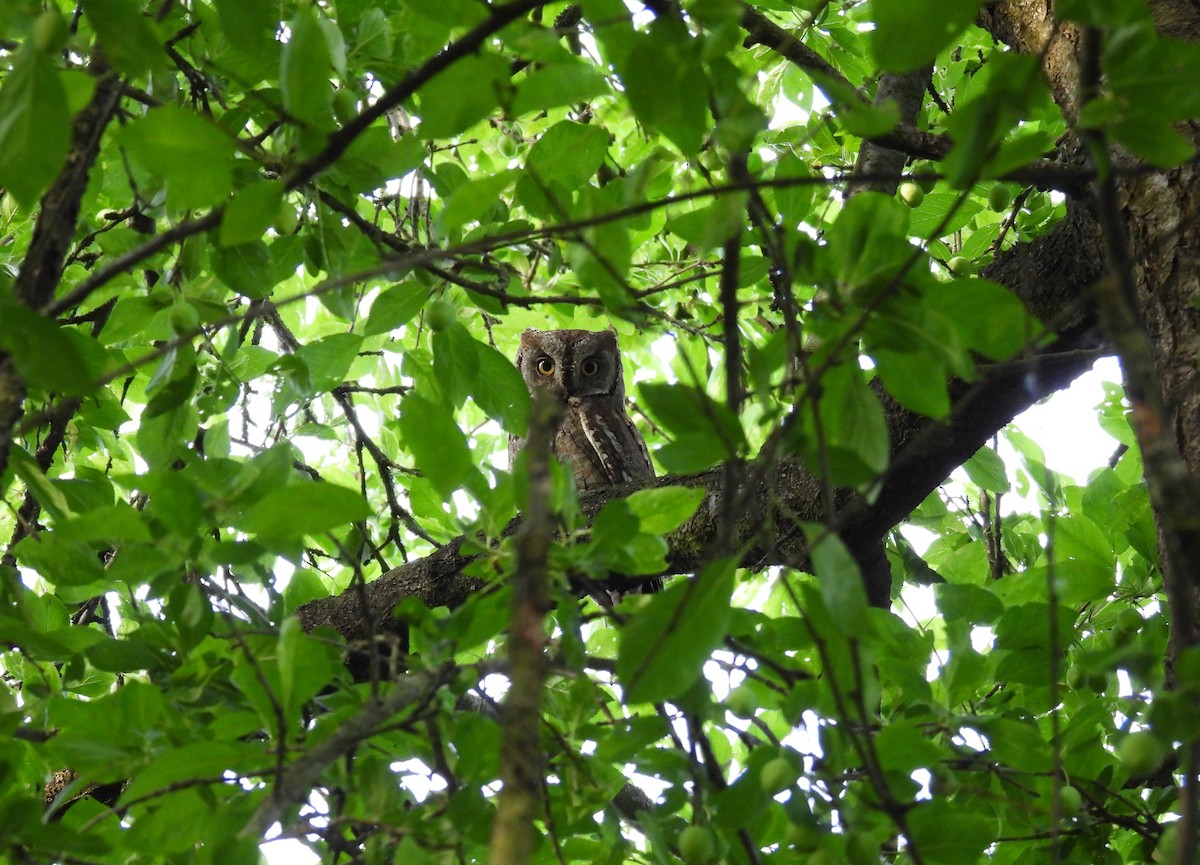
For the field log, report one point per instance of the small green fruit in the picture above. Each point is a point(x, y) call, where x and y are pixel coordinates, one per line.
point(777, 775)
point(49, 32)
point(959, 265)
point(999, 198)
point(1077, 677)
point(441, 315)
point(1140, 753)
point(1098, 682)
point(742, 702)
point(286, 219)
point(1071, 800)
point(696, 845)
point(911, 193)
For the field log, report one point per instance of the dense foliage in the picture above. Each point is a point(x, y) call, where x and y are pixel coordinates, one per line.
point(263, 269)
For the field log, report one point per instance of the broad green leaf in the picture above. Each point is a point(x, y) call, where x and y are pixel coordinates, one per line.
point(793, 201)
point(618, 546)
point(664, 646)
point(664, 509)
point(59, 561)
point(129, 38)
point(47, 355)
point(250, 27)
point(557, 84)
point(685, 410)
point(472, 200)
point(841, 583)
point(395, 306)
point(968, 603)
point(462, 95)
point(164, 438)
point(499, 390)
point(568, 154)
point(302, 508)
point(988, 317)
point(305, 64)
point(910, 33)
point(665, 84)
point(853, 437)
point(986, 470)
point(35, 125)
point(914, 381)
point(947, 835)
point(49, 495)
point(192, 155)
point(251, 212)
point(329, 359)
point(438, 446)
point(456, 362)
point(711, 225)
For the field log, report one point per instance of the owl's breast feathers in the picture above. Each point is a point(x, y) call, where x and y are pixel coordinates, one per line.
point(603, 447)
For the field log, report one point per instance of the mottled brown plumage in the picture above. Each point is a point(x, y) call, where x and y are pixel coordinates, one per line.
point(595, 437)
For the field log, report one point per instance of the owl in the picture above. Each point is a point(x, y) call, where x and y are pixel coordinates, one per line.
point(595, 437)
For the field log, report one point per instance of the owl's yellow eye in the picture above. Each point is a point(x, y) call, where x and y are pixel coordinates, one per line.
point(590, 366)
point(545, 366)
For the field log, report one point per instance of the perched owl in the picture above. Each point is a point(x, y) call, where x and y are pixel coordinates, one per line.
point(595, 437)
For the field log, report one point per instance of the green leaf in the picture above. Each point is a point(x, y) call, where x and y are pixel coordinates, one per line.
point(48, 494)
point(59, 561)
point(499, 390)
point(686, 410)
point(35, 125)
point(988, 317)
point(249, 27)
point(568, 154)
point(971, 833)
point(438, 446)
point(189, 153)
point(664, 646)
point(301, 509)
point(252, 211)
point(395, 306)
point(329, 359)
point(841, 583)
point(664, 82)
point(910, 33)
point(914, 381)
point(462, 95)
point(710, 226)
point(305, 64)
point(456, 362)
point(130, 41)
point(664, 509)
point(47, 356)
point(854, 432)
point(556, 84)
point(987, 471)
point(972, 604)
point(472, 200)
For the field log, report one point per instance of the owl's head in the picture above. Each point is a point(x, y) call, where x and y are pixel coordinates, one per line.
point(572, 363)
